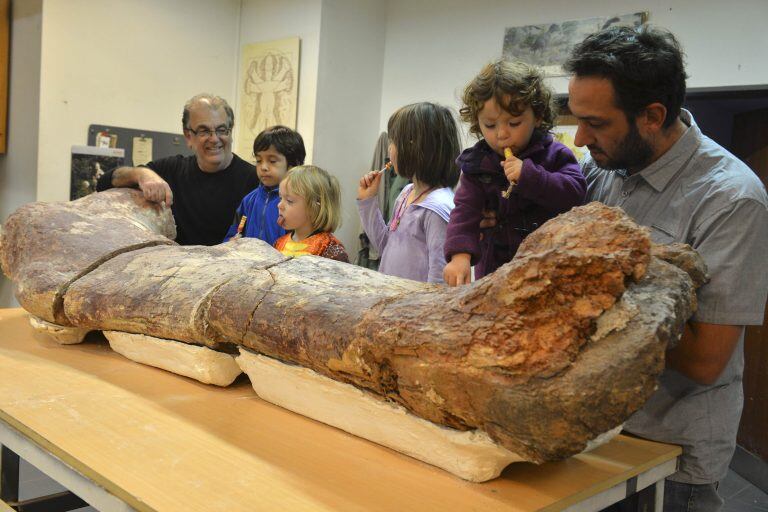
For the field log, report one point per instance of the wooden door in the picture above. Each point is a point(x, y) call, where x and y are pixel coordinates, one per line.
point(750, 144)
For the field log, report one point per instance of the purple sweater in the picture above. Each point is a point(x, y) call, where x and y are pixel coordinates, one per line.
point(415, 249)
point(550, 183)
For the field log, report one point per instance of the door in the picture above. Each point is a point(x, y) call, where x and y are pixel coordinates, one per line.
point(750, 144)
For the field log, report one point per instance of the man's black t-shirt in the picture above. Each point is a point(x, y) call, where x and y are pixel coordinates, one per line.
point(204, 203)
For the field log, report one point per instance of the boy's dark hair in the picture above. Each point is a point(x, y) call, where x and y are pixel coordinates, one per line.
point(515, 85)
point(645, 65)
point(427, 141)
point(287, 142)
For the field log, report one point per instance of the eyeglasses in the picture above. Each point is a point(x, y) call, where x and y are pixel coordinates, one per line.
point(205, 133)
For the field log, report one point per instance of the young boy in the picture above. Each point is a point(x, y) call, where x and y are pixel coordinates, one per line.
point(276, 149)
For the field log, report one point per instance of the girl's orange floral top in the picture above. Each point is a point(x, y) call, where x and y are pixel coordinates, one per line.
point(320, 244)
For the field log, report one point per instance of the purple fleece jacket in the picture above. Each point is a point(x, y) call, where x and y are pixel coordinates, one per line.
point(550, 183)
point(415, 249)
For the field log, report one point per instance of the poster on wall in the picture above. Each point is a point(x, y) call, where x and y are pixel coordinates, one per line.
point(549, 44)
point(89, 163)
point(565, 132)
point(268, 90)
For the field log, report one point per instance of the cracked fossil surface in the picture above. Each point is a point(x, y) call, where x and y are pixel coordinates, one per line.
point(555, 348)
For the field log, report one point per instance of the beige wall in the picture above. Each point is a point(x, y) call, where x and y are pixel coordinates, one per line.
point(130, 64)
point(432, 53)
point(348, 92)
point(267, 20)
point(342, 50)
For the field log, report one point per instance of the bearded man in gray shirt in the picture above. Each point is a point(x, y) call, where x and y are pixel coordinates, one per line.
point(648, 156)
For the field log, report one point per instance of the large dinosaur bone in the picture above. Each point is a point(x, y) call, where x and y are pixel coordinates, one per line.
point(46, 246)
point(553, 349)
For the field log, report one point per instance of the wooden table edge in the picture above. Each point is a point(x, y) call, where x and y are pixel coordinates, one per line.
point(74, 463)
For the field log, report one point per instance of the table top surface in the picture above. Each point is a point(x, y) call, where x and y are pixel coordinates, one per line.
point(160, 441)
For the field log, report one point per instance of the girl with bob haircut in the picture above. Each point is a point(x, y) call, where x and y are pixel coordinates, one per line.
point(517, 172)
point(310, 210)
point(423, 143)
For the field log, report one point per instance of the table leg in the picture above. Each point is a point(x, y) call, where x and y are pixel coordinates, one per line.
point(9, 476)
point(660, 495)
point(9, 490)
point(649, 499)
point(646, 499)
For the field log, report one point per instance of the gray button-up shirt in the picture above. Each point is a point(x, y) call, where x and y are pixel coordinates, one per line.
point(700, 194)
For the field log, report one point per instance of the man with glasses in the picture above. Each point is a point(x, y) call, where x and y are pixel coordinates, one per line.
point(203, 190)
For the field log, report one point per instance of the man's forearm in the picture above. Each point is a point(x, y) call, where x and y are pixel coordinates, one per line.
point(704, 351)
point(129, 176)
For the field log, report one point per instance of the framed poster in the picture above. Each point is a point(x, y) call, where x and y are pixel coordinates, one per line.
point(549, 44)
point(89, 163)
point(268, 90)
point(565, 132)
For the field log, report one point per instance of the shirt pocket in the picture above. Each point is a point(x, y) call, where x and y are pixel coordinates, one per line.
point(663, 233)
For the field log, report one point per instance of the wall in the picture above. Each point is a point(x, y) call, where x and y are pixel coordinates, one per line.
point(348, 92)
point(134, 64)
point(342, 48)
point(131, 64)
point(432, 53)
point(18, 177)
point(266, 20)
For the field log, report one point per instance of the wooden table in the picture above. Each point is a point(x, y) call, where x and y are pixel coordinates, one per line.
point(125, 436)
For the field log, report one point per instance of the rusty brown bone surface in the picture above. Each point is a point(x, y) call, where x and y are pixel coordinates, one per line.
point(553, 349)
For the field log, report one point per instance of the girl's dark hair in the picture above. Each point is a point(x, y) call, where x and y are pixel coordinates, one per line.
point(645, 65)
point(426, 138)
point(515, 85)
point(287, 142)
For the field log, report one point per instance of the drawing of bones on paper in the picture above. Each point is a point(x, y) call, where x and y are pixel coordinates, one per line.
point(548, 45)
point(268, 90)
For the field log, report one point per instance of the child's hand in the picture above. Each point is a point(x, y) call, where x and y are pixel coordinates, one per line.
point(457, 272)
point(369, 185)
point(512, 168)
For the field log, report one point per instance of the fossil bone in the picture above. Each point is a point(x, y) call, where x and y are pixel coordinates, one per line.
point(555, 348)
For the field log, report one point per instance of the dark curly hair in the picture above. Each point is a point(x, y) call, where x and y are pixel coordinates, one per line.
point(645, 65)
point(515, 85)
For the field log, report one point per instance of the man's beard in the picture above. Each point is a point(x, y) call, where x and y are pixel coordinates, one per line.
point(633, 153)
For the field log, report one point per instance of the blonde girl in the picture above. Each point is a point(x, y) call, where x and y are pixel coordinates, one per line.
point(310, 210)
